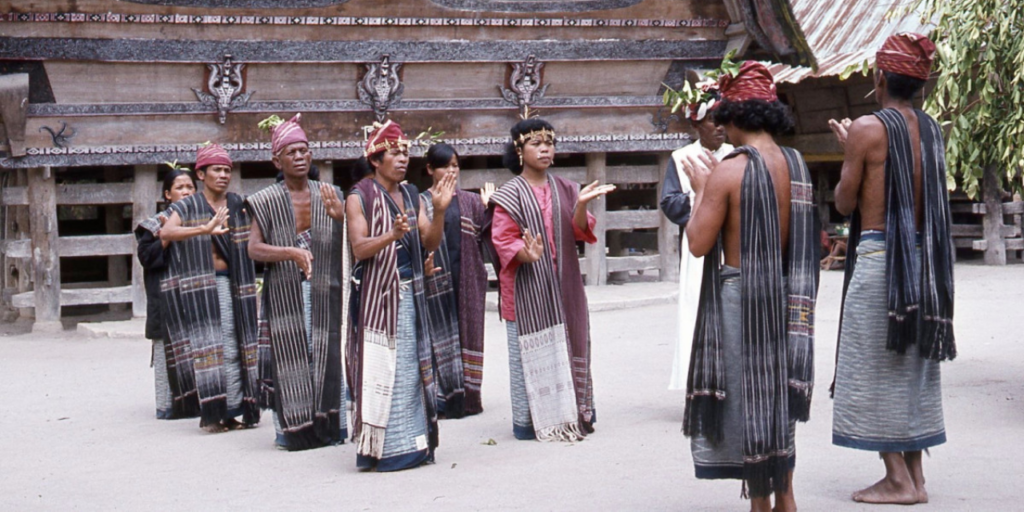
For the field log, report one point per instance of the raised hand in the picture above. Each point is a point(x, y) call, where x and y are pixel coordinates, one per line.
point(304, 259)
point(593, 191)
point(533, 250)
point(428, 266)
point(444, 191)
point(841, 129)
point(697, 168)
point(486, 193)
point(400, 227)
point(218, 225)
point(335, 207)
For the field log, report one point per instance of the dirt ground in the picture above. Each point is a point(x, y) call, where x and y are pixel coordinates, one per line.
point(77, 431)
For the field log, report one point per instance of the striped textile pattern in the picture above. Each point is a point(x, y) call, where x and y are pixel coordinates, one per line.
point(193, 310)
point(442, 317)
point(544, 346)
point(777, 327)
point(378, 316)
point(306, 386)
point(471, 296)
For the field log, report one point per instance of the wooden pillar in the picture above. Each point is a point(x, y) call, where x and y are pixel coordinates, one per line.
point(995, 246)
point(597, 265)
point(42, 199)
point(236, 179)
point(668, 233)
point(113, 214)
point(326, 168)
point(21, 231)
point(145, 195)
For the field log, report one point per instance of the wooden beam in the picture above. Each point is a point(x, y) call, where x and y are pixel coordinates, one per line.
point(597, 270)
point(113, 216)
point(472, 179)
point(42, 192)
point(1012, 244)
point(814, 144)
point(80, 297)
point(668, 234)
point(145, 195)
point(76, 246)
point(78, 194)
point(633, 219)
point(13, 110)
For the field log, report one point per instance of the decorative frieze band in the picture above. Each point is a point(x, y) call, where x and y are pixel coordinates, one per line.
point(357, 21)
point(326, 150)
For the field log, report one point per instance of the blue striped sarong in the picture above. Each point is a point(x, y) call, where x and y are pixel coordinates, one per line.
point(164, 400)
point(405, 438)
point(522, 424)
point(232, 362)
point(884, 401)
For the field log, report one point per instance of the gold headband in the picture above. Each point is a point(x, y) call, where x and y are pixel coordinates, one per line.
point(543, 133)
point(387, 145)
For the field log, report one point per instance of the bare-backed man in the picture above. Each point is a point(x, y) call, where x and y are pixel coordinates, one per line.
point(897, 319)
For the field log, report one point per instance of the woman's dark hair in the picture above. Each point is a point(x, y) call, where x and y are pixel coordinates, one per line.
point(773, 117)
point(438, 155)
point(902, 87)
point(314, 174)
point(173, 175)
point(362, 167)
point(511, 158)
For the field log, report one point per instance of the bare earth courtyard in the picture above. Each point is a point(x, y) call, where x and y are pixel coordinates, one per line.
point(77, 431)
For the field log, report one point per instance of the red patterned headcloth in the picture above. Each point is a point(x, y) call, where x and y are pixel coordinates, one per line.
point(752, 82)
point(383, 137)
point(907, 54)
point(287, 133)
point(212, 154)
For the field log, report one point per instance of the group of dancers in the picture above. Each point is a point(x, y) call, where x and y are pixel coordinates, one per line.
point(395, 279)
point(392, 278)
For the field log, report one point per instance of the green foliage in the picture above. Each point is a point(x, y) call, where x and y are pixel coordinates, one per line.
point(979, 94)
point(430, 137)
point(692, 95)
point(270, 123)
point(175, 166)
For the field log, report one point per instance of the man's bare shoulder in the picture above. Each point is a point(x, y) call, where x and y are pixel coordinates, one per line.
point(730, 169)
point(868, 128)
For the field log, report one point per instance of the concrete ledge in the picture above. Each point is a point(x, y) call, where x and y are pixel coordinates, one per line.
point(615, 297)
point(125, 329)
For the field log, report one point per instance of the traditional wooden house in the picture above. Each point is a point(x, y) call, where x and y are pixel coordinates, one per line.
point(96, 94)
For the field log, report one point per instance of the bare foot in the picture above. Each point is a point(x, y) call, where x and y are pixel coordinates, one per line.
point(215, 428)
point(889, 492)
point(233, 424)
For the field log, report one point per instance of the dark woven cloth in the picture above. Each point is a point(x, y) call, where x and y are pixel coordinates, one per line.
point(471, 288)
point(777, 327)
point(193, 315)
point(443, 320)
point(303, 387)
point(551, 309)
point(153, 257)
point(376, 321)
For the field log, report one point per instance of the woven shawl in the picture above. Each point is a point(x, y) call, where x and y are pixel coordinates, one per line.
point(442, 315)
point(777, 326)
point(305, 388)
point(920, 297)
point(472, 284)
point(550, 308)
point(372, 357)
point(193, 317)
point(184, 402)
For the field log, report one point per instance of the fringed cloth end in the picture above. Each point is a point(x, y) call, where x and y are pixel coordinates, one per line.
point(938, 342)
point(762, 478)
point(703, 416)
point(250, 412)
point(371, 441)
point(800, 400)
point(213, 410)
point(567, 432)
point(902, 329)
point(266, 394)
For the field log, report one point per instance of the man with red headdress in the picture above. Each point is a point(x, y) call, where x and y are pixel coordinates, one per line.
point(897, 319)
point(298, 233)
point(676, 203)
point(752, 367)
point(210, 297)
point(391, 372)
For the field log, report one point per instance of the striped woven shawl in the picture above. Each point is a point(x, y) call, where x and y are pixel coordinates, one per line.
point(551, 315)
point(472, 289)
point(777, 327)
point(920, 299)
point(184, 402)
point(372, 357)
point(193, 317)
point(442, 315)
point(306, 387)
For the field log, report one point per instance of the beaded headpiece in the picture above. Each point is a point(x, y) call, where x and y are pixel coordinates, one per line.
point(383, 137)
point(544, 133)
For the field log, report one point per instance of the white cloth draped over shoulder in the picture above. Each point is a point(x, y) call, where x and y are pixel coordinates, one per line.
point(691, 271)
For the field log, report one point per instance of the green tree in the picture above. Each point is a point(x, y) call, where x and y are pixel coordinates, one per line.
point(979, 94)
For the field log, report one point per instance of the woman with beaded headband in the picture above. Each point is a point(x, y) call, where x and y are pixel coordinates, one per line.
point(391, 370)
point(535, 221)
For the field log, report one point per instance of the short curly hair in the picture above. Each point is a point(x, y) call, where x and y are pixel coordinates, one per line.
point(773, 117)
